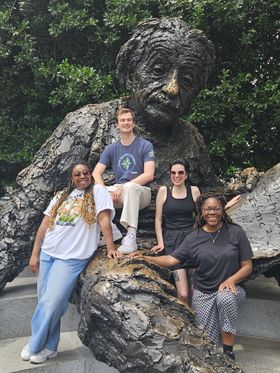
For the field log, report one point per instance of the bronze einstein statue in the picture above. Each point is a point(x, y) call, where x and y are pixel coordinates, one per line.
point(130, 317)
point(165, 64)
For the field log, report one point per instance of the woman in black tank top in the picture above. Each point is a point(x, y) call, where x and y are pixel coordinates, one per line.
point(177, 206)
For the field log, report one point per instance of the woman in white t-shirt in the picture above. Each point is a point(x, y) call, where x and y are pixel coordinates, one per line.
point(64, 243)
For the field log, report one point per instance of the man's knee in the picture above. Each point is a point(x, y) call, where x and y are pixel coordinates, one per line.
point(131, 187)
point(131, 191)
point(135, 193)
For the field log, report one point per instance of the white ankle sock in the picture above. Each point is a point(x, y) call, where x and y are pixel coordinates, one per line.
point(131, 230)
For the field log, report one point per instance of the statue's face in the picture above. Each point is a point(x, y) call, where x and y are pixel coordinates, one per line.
point(166, 82)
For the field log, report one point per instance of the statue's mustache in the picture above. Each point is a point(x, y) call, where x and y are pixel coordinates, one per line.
point(165, 100)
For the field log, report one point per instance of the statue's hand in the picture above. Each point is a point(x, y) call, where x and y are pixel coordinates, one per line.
point(157, 248)
point(34, 263)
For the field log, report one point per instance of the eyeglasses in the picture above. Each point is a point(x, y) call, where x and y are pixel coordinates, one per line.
point(79, 174)
point(179, 172)
point(214, 209)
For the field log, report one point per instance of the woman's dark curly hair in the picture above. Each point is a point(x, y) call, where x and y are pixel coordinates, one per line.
point(88, 212)
point(199, 221)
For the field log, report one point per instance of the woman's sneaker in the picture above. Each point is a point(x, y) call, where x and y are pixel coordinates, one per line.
point(25, 354)
point(128, 245)
point(230, 354)
point(42, 356)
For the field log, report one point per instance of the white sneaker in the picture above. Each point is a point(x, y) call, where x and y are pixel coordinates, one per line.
point(128, 245)
point(116, 235)
point(42, 356)
point(25, 354)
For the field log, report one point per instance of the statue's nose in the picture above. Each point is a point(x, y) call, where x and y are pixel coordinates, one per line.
point(171, 86)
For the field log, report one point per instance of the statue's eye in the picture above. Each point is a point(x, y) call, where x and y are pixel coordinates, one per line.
point(186, 79)
point(159, 69)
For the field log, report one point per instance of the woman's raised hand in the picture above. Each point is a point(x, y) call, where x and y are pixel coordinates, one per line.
point(157, 248)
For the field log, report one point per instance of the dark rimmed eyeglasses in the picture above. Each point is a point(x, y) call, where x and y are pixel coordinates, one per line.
point(214, 209)
point(177, 172)
point(84, 173)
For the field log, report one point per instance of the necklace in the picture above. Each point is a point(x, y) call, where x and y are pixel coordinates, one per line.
point(215, 237)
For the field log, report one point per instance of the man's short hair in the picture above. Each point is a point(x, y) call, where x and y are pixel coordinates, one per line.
point(124, 110)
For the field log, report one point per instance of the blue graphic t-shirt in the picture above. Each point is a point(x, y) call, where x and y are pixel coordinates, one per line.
point(127, 162)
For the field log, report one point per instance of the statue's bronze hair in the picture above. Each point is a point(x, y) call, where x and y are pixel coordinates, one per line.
point(88, 212)
point(133, 51)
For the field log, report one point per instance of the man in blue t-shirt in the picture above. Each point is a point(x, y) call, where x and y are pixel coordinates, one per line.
point(132, 161)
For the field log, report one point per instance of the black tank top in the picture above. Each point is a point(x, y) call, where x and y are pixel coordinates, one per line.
point(179, 212)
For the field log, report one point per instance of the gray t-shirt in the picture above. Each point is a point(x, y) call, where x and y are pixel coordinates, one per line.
point(127, 162)
point(214, 262)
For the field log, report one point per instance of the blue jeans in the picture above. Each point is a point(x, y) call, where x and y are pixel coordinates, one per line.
point(55, 284)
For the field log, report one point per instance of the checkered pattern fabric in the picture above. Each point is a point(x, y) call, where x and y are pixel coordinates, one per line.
point(217, 311)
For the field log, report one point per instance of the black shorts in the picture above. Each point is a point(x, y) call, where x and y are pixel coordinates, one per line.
point(173, 239)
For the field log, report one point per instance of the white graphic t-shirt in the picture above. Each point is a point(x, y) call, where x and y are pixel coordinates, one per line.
point(70, 237)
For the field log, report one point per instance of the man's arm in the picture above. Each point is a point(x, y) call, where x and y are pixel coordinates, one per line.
point(97, 173)
point(147, 176)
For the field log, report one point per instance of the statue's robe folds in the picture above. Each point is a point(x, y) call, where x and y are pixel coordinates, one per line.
point(132, 320)
point(83, 134)
point(259, 214)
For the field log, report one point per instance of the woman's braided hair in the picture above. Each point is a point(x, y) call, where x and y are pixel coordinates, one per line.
point(88, 212)
point(199, 221)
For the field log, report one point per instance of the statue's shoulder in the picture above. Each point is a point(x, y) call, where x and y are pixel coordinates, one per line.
point(88, 119)
point(188, 127)
point(101, 110)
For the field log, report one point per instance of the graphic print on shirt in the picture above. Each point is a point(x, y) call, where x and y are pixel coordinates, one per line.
point(69, 211)
point(127, 163)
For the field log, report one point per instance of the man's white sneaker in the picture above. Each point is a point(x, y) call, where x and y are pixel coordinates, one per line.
point(42, 356)
point(128, 245)
point(25, 354)
point(116, 235)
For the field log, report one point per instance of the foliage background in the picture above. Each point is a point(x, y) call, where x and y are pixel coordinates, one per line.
point(58, 55)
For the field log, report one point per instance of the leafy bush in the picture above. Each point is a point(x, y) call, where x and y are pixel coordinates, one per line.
point(58, 55)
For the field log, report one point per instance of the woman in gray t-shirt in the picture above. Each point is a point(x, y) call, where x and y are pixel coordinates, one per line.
point(222, 255)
